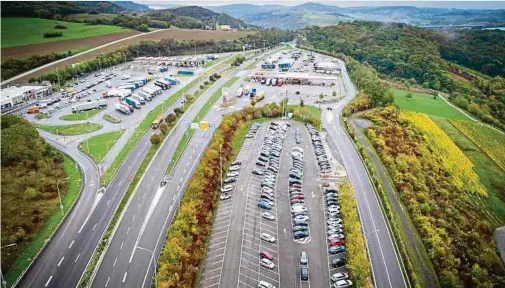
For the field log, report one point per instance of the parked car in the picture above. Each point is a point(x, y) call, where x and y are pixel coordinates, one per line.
point(265, 254)
point(267, 237)
point(337, 249)
point(304, 258)
point(268, 216)
point(265, 284)
point(264, 205)
point(343, 284)
point(339, 276)
point(304, 273)
point(225, 196)
point(339, 262)
point(267, 263)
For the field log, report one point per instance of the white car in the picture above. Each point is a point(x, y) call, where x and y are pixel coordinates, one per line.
point(335, 236)
point(268, 216)
point(297, 208)
point(265, 284)
point(302, 218)
point(334, 221)
point(267, 263)
point(235, 168)
point(267, 237)
point(343, 284)
point(225, 196)
point(339, 276)
point(232, 174)
point(227, 188)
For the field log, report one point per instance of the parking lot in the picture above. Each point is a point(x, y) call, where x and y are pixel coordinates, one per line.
point(238, 243)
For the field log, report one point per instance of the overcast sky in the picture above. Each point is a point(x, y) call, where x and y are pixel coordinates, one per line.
point(438, 4)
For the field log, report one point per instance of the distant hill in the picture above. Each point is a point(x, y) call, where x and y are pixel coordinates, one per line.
point(205, 16)
point(48, 9)
point(130, 5)
point(310, 13)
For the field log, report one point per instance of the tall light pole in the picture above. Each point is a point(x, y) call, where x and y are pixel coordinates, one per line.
point(4, 283)
point(59, 195)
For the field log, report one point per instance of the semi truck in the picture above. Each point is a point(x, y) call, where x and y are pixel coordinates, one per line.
point(126, 86)
point(127, 106)
point(186, 72)
point(132, 102)
point(123, 109)
point(33, 110)
point(146, 95)
point(268, 66)
point(117, 93)
point(172, 81)
point(89, 106)
point(162, 84)
point(140, 99)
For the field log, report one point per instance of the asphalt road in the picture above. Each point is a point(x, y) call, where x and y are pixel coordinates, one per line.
point(65, 258)
point(386, 267)
point(139, 238)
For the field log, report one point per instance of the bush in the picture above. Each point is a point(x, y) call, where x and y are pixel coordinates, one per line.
point(217, 76)
point(156, 139)
point(164, 128)
point(52, 34)
point(202, 86)
point(178, 111)
point(171, 118)
point(206, 82)
point(58, 26)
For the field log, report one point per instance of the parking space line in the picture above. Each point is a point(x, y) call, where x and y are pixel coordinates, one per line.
point(245, 284)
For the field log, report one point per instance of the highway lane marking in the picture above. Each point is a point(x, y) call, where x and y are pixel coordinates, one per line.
point(182, 178)
point(61, 260)
point(128, 230)
point(71, 244)
point(115, 261)
point(77, 258)
point(107, 283)
point(47, 283)
point(124, 277)
point(120, 248)
point(94, 227)
point(108, 202)
point(134, 215)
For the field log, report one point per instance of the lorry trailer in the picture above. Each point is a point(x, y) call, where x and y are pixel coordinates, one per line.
point(123, 109)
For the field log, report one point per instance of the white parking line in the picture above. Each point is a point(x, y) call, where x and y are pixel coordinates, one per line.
point(48, 281)
point(61, 260)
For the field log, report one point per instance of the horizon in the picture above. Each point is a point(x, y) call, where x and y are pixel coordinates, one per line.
point(464, 5)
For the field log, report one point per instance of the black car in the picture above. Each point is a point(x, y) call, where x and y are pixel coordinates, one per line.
point(300, 234)
point(304, 273)
point(339, 262)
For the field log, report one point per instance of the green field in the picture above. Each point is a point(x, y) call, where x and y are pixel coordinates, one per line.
point(24, 31)
point(424, 103)
point(97, 146)
point(74, 129)
point(81, 115)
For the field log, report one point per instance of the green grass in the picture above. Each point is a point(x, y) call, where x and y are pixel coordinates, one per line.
point(47, 230)
point(491, 176)
point(208, 64)
point(111, 119)
point(25, 31)
point(86, 16)
point(424, 103)
point(97, 146)
point(73, 129)
point(83, 115)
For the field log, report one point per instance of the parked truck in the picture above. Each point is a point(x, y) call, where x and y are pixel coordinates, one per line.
point(89, 106)
point(239, 92)
point(146, 95)
point(140, 99)
point(170, 80)
point(260, 96)
point(156, 123)
point(126, 86)
point(33, 110)
point(186, 72)
point(127, 106)
point(162, 84)
point(132, 102)
point(123, 109)
point(267, 66)
point(253, 92)
point(117, 93)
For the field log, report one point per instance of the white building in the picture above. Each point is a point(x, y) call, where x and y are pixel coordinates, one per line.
point(327, 67)
point(15, 95)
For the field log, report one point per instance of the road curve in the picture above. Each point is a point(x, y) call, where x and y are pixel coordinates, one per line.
point(386, 266)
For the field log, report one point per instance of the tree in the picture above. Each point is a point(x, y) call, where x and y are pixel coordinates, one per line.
point(302, 103)
point(156, 139)
point(164, 128)
point(171, 118)
point(178, 111)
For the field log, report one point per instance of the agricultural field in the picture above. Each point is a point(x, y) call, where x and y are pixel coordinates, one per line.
point(425, 103)
point(26, 31)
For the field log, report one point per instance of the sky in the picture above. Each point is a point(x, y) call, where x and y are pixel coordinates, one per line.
point(433, 3)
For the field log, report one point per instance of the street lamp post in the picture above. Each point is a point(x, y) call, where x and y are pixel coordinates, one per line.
point(59, 195)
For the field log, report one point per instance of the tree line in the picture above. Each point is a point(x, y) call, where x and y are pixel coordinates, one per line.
point(421, 57)
point(30, 171)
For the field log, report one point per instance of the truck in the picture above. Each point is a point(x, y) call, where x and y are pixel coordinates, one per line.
point(239, 92)
point(253, 92)
point(33, 110)
point(140, 99)
point(126, 86)
point(146, 95)
point(186, 72)
point(132, 102)
point(123, 109)
point(268, 66)
point(260, 96)
point(247, 90)
point(162, 84)
point(89, 106)
point(156, 123)
point(117, 93)
point(151, 90)
point(170, 80)
point(127, 106)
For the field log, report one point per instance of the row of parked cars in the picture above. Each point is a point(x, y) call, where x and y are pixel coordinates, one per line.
point(272, 81)
point(322, 158)
point(336, 237)
point(253, 130)
point(269, 160)
point(299, 213)
point(231, 177)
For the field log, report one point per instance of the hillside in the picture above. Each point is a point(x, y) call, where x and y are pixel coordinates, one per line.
point(206, 16)
point(310, 13)
point(132, 6)
point(422, 57)
point(49, 9)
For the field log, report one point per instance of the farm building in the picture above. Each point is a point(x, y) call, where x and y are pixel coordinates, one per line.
point(16, 95)
point(327, 67)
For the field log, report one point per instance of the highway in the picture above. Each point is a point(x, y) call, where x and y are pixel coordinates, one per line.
point(386, 266)
point(63, 261)
point(131, 257)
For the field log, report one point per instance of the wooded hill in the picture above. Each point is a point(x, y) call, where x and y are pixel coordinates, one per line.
point(423, 57)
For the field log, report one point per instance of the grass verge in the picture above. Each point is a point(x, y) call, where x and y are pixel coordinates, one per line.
point(73, 129)
point(83, 115)
point(24, 259)
point(97, 146)
point(111, 119)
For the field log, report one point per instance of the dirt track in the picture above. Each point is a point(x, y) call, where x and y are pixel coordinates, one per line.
point(178, 34)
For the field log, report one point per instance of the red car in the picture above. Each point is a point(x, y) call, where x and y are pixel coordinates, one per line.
point(299, 196)
point(265, 254)
point(296, 185)
point(337, 242)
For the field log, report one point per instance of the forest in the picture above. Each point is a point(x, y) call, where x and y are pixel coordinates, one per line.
point(438, 185)
point(30, 169)
point(417, 56)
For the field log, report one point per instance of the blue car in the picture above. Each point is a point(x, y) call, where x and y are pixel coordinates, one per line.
point(264, 205)
point(300, 234)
